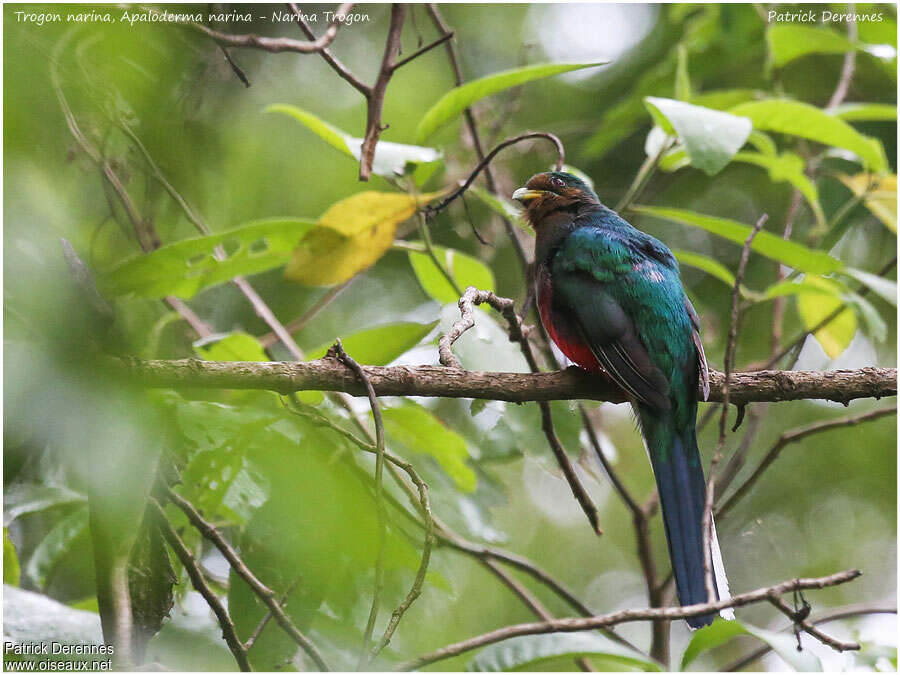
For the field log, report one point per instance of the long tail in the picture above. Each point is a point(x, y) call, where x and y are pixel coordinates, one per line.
point(682, 494)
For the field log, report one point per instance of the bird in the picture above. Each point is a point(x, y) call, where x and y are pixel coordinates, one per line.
point(610, 296)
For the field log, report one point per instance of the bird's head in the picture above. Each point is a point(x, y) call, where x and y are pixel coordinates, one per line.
point(552, 191)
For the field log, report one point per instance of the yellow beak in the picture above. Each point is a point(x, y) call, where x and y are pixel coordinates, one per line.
point(525, 195)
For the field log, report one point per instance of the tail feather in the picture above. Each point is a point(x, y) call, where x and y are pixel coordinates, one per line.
point(682, 495)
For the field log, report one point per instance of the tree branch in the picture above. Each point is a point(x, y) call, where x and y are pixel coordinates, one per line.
point(268, 44)
point(200, 585)
point(628, 615)
point(439, 381)
point(793, 436)
point(266, 594)
point(505, 306)
point(847, 612)
point(482, 165)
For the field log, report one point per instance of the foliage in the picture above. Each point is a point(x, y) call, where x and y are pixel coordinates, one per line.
point(713, 118)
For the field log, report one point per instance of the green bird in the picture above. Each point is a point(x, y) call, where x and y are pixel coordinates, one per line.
point(611, 298)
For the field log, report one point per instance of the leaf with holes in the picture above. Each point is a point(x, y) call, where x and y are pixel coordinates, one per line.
point(465, 270)
point(187, 267)
point(456, 100)
point(391, 159)
point(351, 236)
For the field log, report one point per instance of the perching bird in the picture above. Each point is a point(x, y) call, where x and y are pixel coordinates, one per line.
point(611, 299)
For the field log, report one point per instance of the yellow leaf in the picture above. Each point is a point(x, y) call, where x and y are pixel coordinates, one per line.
point(351, 236)
point(879, 194)
point(813, 306)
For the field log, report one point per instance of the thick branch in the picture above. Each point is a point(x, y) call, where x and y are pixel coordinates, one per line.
point(440, 381)
point(627, 615)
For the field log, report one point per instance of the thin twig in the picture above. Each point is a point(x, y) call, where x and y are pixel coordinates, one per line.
point(731, 346)
point(229, 633)
point(803, 624)
point(531, 601)
point(427, 48)
point(793, 436)
point(375, 99)
point(266, 594)
point(560, 160)
point(643, 176)
point(268, 44)
point(420, 499)
point(254, 636)
point(298, 324)
point(847, 612)
point(330, 58)
point(506, 307)
point(472, 127)
point(849, 65)
point(800, 339)
point(628, 615)
point(338, 352)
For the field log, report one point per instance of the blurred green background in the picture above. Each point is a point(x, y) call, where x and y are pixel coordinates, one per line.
point(296, 497)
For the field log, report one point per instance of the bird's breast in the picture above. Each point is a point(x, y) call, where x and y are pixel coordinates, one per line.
point(562, 330)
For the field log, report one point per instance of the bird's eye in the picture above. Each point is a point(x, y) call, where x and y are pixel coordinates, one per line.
point(557, 182)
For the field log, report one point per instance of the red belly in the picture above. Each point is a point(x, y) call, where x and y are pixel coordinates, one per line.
point(562, 332)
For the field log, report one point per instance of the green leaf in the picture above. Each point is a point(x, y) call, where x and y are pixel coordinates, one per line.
point(380, 345)
point(723, 99)
point(788, 252)
point(787, 167)
point(11, 570)
point(458, 99)
point(720, 632)
point(763, 142)
point(813, 307)
point(236, 346)
point(712, 267)
point(785, 645)
point(710, 637)
point(466, 271)
point(710, 137)
point(20, 499)
point(789, 41)
point(875, 325)
point(528, 652)
point(865, 112)
point(186, 267)
point(55, 545)
point(503, 207)
point(420, 431)
point(883, 288)
point(391, 159)
point(351, 236)
point(801, 119)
